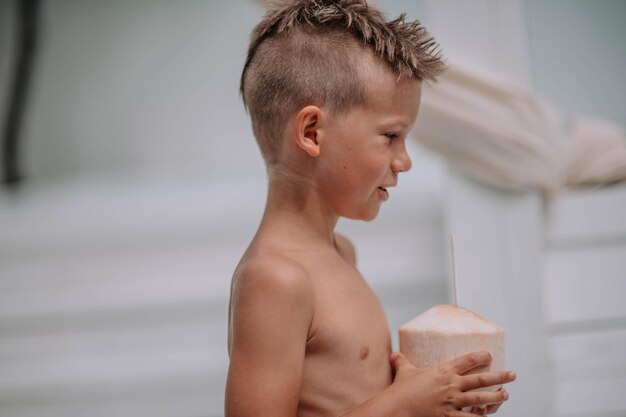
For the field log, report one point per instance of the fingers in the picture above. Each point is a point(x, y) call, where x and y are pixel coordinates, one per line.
point(479, 410)
point(493, 408)
point(460, 413)
point(398, 360)
point(483, 410)
point(486, 379)
point(476, 398)
point(470, 361)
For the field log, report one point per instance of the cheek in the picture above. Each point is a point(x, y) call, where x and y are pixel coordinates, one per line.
point(350, 170)
point(358, 181)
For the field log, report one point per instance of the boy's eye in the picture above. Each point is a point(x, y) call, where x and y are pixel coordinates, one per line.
point(391, 136)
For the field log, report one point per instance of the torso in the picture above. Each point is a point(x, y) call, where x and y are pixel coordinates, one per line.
point(347, 355)
point(347, 351)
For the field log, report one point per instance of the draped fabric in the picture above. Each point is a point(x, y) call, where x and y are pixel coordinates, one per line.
point(505, 136)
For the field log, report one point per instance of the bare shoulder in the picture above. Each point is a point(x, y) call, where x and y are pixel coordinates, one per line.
point(267, 287)
point(346, 248)
point(271, 272)
point(270, 321)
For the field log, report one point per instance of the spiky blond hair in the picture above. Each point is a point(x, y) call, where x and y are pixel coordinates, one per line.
point(315, 52)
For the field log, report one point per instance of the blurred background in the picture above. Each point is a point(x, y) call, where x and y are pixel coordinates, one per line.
point(136, 185)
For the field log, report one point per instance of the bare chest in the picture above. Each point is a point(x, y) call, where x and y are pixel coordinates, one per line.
point(348, 320)
point(347, 354)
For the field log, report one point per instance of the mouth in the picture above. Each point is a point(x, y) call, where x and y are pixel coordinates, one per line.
point(383, 193)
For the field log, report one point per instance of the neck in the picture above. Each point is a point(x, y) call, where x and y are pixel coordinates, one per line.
point(295, 207)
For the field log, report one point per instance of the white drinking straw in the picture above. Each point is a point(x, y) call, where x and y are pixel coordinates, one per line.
point(455, 281)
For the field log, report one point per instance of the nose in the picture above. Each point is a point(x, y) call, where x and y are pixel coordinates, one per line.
point(402, 161)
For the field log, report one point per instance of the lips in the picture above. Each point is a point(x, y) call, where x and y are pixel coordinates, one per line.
point(383, 193)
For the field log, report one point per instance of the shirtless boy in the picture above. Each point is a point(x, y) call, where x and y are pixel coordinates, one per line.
point(333, 89)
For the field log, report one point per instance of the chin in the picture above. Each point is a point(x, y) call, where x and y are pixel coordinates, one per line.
point(370, 218)
point(365, 216)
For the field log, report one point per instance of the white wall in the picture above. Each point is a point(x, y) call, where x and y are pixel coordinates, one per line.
point(579, 55)
point(584, 282)
point(142, 88)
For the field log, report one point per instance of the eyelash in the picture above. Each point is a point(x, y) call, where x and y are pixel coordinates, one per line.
point(391, 136)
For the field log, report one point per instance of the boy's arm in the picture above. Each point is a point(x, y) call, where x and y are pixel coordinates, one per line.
point(439, 391)
point(272, 306)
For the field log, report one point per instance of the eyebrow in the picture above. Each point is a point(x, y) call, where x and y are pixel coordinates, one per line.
point(395, 123)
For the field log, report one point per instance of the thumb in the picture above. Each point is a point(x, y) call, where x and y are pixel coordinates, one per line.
point(398, 360)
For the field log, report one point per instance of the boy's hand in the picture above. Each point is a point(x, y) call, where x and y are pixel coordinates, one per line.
point(492, 408)
point(445, 389)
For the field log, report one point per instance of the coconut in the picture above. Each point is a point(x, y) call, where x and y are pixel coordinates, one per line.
point(445, 332)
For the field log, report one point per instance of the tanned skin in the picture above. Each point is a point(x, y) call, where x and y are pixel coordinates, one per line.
point(308, 337)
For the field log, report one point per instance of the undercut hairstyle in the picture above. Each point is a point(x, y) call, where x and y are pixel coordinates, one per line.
point(315, 52)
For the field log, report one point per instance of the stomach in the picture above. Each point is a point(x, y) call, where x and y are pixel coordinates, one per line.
point(333, 386)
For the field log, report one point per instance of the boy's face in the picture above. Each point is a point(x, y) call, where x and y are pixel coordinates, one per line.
point(363, 151)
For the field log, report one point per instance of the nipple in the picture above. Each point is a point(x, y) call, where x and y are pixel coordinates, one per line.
point(365, 351)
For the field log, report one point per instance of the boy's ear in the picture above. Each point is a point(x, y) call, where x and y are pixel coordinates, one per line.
point(307, 125)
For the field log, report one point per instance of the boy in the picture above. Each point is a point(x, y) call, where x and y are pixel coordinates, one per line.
point(333, 90)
